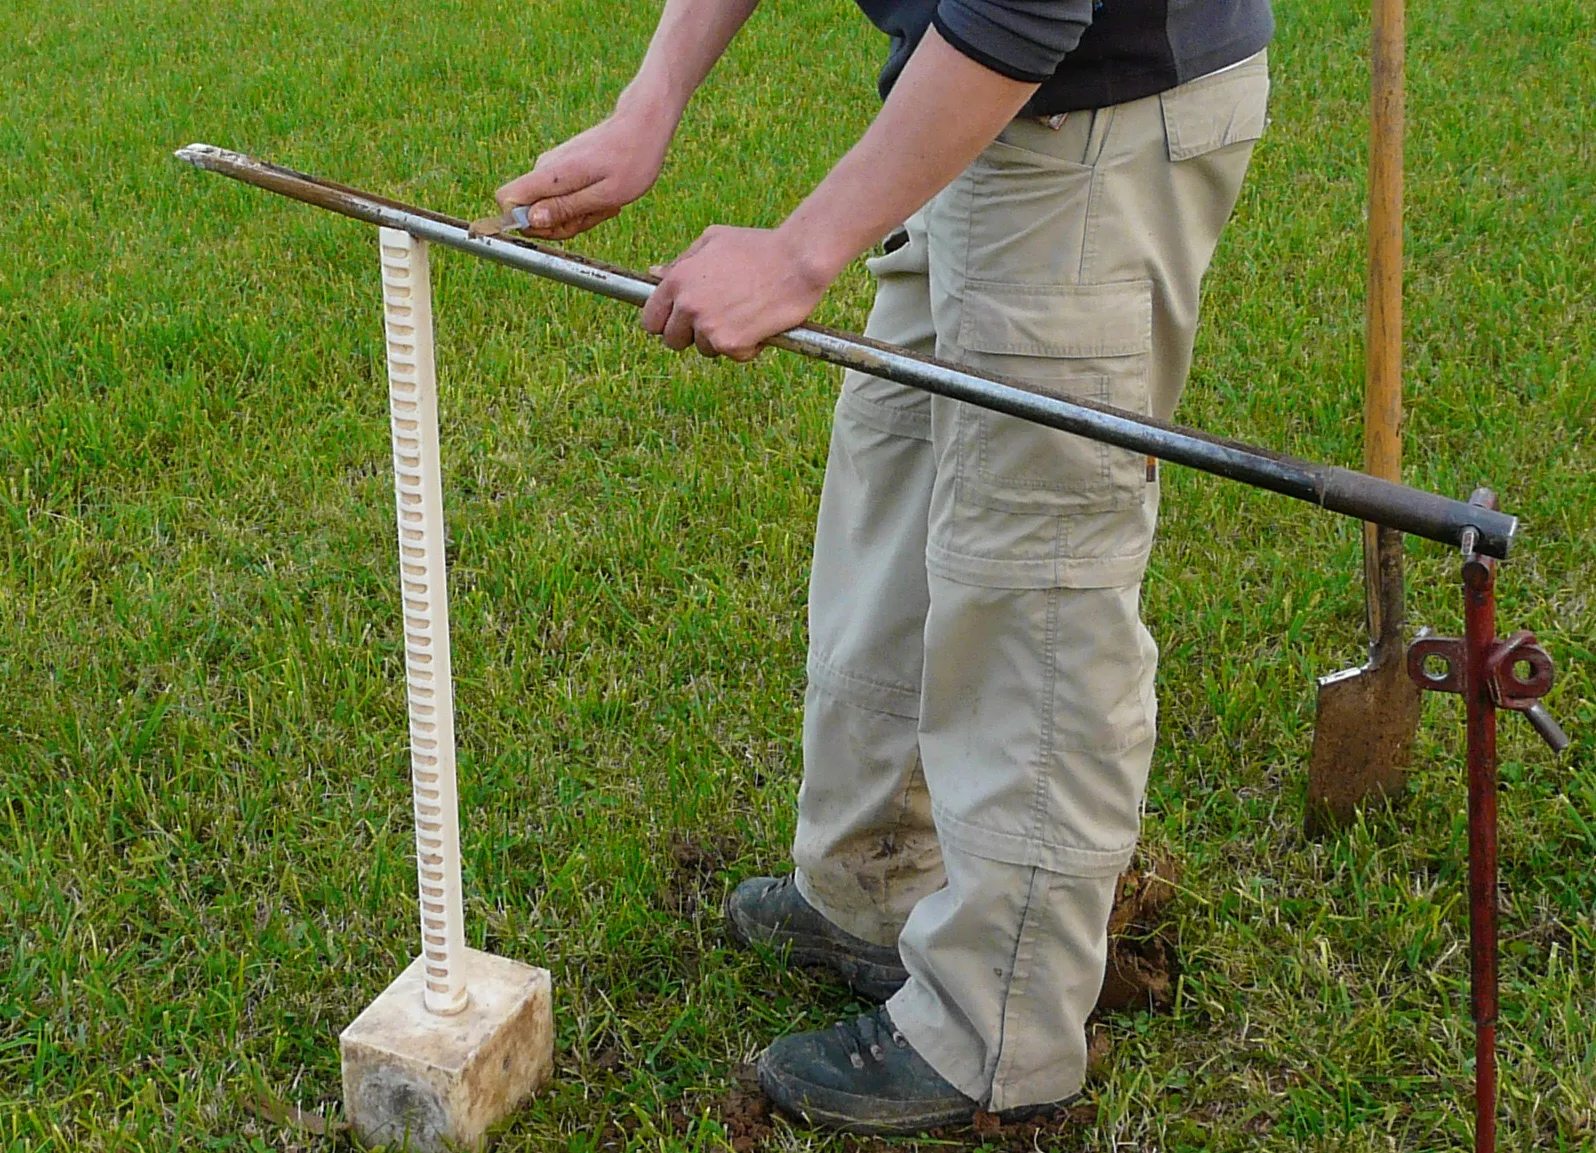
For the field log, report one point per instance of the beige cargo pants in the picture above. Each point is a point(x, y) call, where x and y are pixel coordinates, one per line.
point(980, 713)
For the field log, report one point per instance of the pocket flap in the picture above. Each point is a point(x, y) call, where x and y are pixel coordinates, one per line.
point(1058, 320)
point(1225, 108)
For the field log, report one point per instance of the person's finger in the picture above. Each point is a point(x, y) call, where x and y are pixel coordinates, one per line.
point(658, 308)
point(573, 227)
point(705, 346)
point(678, 331)
point(743, 355)
point(539, 184)
point(555, 211)
point(555, 195)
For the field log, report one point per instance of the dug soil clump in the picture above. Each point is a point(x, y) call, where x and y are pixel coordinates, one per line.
point(1142, 965)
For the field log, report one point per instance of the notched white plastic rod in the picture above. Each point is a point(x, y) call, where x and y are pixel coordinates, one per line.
point(418, 496)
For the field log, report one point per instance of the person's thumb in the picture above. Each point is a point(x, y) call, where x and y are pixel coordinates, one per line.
point(553, 211)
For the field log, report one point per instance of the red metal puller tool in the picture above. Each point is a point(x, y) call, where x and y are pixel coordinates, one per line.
point(1484, 669)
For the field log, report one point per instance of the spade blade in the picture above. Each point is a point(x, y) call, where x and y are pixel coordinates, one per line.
point(1362, 740)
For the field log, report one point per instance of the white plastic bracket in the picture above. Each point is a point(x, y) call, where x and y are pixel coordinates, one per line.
point(418, 494)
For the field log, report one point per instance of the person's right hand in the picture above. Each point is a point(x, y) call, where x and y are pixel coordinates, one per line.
point(588, 179)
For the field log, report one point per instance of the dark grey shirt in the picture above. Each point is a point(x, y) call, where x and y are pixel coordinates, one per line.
point(1084, 54)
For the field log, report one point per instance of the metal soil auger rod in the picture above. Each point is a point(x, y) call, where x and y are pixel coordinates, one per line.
point(1482, 667)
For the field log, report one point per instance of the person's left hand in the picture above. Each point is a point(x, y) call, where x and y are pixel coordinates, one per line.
point(731, 289)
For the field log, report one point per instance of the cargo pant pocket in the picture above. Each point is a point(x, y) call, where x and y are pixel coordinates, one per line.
point(1080, 342)
point(1025, 506)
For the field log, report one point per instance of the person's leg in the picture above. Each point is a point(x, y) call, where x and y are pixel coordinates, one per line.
point(1037, 802)
point(1037, 740)
point(865, 848)
point(1070, 259)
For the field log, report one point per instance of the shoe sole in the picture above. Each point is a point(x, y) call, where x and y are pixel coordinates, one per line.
point(870, 979)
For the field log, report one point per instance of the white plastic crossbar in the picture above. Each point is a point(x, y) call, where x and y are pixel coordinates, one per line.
point(418, 492)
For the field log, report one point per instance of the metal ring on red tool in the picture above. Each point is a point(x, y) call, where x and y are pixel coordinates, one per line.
point(1447, 649)
point(1510, 690)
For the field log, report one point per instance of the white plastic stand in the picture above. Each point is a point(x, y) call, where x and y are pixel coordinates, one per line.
point(462, 1038)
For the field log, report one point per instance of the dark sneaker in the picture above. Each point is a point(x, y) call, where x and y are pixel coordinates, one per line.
point(771, 911)
point(863, 1076)
point(860, 1077)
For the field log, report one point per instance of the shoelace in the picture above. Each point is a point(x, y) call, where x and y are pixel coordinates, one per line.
point(869, 1034)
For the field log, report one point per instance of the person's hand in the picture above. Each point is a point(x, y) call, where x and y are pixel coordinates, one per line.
point(590, 178)
point(732, 289)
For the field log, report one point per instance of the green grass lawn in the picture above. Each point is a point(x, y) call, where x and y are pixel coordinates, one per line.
point(205, 837)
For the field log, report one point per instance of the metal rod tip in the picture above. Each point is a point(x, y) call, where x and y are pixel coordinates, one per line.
point(197, 154)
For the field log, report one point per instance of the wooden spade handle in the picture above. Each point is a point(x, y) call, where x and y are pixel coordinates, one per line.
point(1382, 398)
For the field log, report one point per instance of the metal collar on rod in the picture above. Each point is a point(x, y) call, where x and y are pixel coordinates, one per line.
point(1339, 490)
